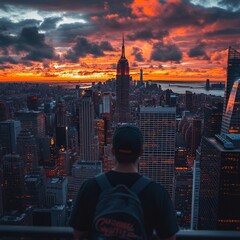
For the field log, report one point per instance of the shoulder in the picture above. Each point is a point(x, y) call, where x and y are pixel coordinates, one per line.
point(157, 194)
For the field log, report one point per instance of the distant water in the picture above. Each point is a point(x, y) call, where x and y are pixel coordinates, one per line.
point(182, 87)
point(176, 87)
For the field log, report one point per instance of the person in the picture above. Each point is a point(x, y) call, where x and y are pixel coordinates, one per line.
point(159, 214)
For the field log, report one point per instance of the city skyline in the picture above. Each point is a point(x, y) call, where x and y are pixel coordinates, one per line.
point(82, 40)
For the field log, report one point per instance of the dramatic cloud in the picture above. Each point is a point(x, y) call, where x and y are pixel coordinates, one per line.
point(137, 53)
point(33, 44)
point(7, 60)
point(198, 52)
point(50, 23)
point(106, 46)
point(82, 48)
point(231, 4)
point(164, 53)
point(156, 32)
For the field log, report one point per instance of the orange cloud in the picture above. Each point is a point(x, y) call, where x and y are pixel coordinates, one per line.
point(145, 8)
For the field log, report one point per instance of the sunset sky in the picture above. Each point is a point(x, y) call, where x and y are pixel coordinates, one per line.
point(81, 39)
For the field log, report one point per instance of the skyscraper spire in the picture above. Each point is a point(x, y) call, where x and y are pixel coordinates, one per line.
point(123, 48)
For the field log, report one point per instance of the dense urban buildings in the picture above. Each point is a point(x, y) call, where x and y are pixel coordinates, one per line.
point(54, 136)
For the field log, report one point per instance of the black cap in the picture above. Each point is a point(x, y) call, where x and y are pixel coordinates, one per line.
point(128, 140)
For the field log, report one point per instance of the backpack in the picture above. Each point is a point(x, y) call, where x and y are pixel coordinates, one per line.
point(119, 213)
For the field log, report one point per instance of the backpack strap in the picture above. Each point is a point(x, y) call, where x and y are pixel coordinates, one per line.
point(140, 184)
point(103, 181)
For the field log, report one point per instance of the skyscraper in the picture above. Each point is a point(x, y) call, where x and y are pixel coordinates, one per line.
point(13, 183)
point(233, 73)
point(196, 134)
point(33, 121)
point(158, 125)
point(231, 117)
point(9, 131)
point(212, 120)
point(122, 88)
point(88, 139)
point(219, 183)
point(27, 148)
point(188, 101)
point(183, 188)
point(32, 103)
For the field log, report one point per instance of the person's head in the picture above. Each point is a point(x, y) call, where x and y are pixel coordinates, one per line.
point(127, 143)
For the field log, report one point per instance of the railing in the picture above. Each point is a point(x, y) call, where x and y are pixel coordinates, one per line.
point(67, 233)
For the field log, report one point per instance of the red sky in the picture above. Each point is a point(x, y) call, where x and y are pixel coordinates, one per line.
point(81, 40)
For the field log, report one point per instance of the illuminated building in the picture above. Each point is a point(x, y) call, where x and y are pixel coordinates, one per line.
point(180, 157)
point(61, 126)
point(32, 103)
point(50, 164)
point(220, 183)
point(9, 131)
point(158, 125)
point(33, 121)
point(122, 88)
point(100, 125)
point(87, 138)
point(183, 196)
point(73, 139)
point(212, 120)
point(108, 159)
point(62, 160)
point(231, 117)
point(233, 73)
point(13, 183)
point(195, 190)
point(183, 188)
point(27, 148)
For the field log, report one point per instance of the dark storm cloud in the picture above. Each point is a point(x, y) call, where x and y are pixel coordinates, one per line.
point(50, 23)
point(82, 48)
point(230, 4)
point(6, 59)
point(68, 33)
point(148, 34)
point(33, 43)
point(180, 14)
point(198, 52)
point(91, 6)
point(106, 46)
point(6, 41)
point(56, 4)
point(164, 53)
point(15, 27)
point(226, 31)
point(137, 53)
point(142, 35)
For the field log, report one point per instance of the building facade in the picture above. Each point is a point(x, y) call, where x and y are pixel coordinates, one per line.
point(158, 125)
point(122, 88)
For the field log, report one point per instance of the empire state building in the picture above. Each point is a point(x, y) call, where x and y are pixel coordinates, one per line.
point(122, 88)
